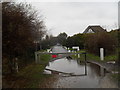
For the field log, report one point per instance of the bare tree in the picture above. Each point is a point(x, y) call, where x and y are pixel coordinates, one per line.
point(21, 27)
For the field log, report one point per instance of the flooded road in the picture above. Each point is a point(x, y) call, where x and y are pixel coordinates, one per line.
point(79, 75)
point(91, 80)
point(95, 78)
point(58, 49)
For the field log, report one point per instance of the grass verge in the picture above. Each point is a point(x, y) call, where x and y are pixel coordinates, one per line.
point(29, 77)
point(90, 56)
point(116, 76)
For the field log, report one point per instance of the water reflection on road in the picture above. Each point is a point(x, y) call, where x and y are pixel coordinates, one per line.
point(94, 78)
point(58, 49)
point(72, 66)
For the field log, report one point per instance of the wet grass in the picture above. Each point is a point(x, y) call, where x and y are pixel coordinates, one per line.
point(116, 76)
point(111, 57)
point(29, 77)
point(90, 56)
point(32, 75)
point(34, 72)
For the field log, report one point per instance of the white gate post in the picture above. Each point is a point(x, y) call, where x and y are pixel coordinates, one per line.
point(78, 55)
point(102, 54)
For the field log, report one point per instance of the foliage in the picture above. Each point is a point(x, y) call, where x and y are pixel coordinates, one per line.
point(50, 41)
point(116, 77)
point(75, 40)
point(29, 77)
point(118, 47)
point(90, 56)
point(62, 38)
point(44, 58)
point(21, 27)
point(111, 57)
point(82, 56)
point(100, 40)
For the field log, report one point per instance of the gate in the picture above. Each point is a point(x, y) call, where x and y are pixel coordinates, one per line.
point(58, 56)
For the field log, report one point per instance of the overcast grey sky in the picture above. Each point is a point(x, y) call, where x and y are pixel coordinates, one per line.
point(74, 17)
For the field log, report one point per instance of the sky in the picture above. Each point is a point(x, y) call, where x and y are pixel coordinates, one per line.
point(75, 16)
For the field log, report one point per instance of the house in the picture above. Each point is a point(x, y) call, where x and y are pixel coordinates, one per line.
point(94, 29)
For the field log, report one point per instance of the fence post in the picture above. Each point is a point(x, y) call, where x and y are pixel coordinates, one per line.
point(78, 55)
point(16, 64)
point(102, 54)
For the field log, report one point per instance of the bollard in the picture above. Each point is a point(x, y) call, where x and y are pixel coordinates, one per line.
point(102, 54)
point(78, 55)
point(16, 64)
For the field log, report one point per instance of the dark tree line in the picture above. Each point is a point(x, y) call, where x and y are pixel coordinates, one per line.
point(75, 40)
point(50, 40)
point(92, 42)
point(21, 27)
point(104, 40)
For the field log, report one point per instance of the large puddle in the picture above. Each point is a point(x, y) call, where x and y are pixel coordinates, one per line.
point(74, 74)
point(83, 76)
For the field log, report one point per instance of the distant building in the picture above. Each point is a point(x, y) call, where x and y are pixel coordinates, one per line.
point(94, 29)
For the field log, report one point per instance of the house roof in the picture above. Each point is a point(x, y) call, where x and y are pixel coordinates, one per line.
point(95, 29)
